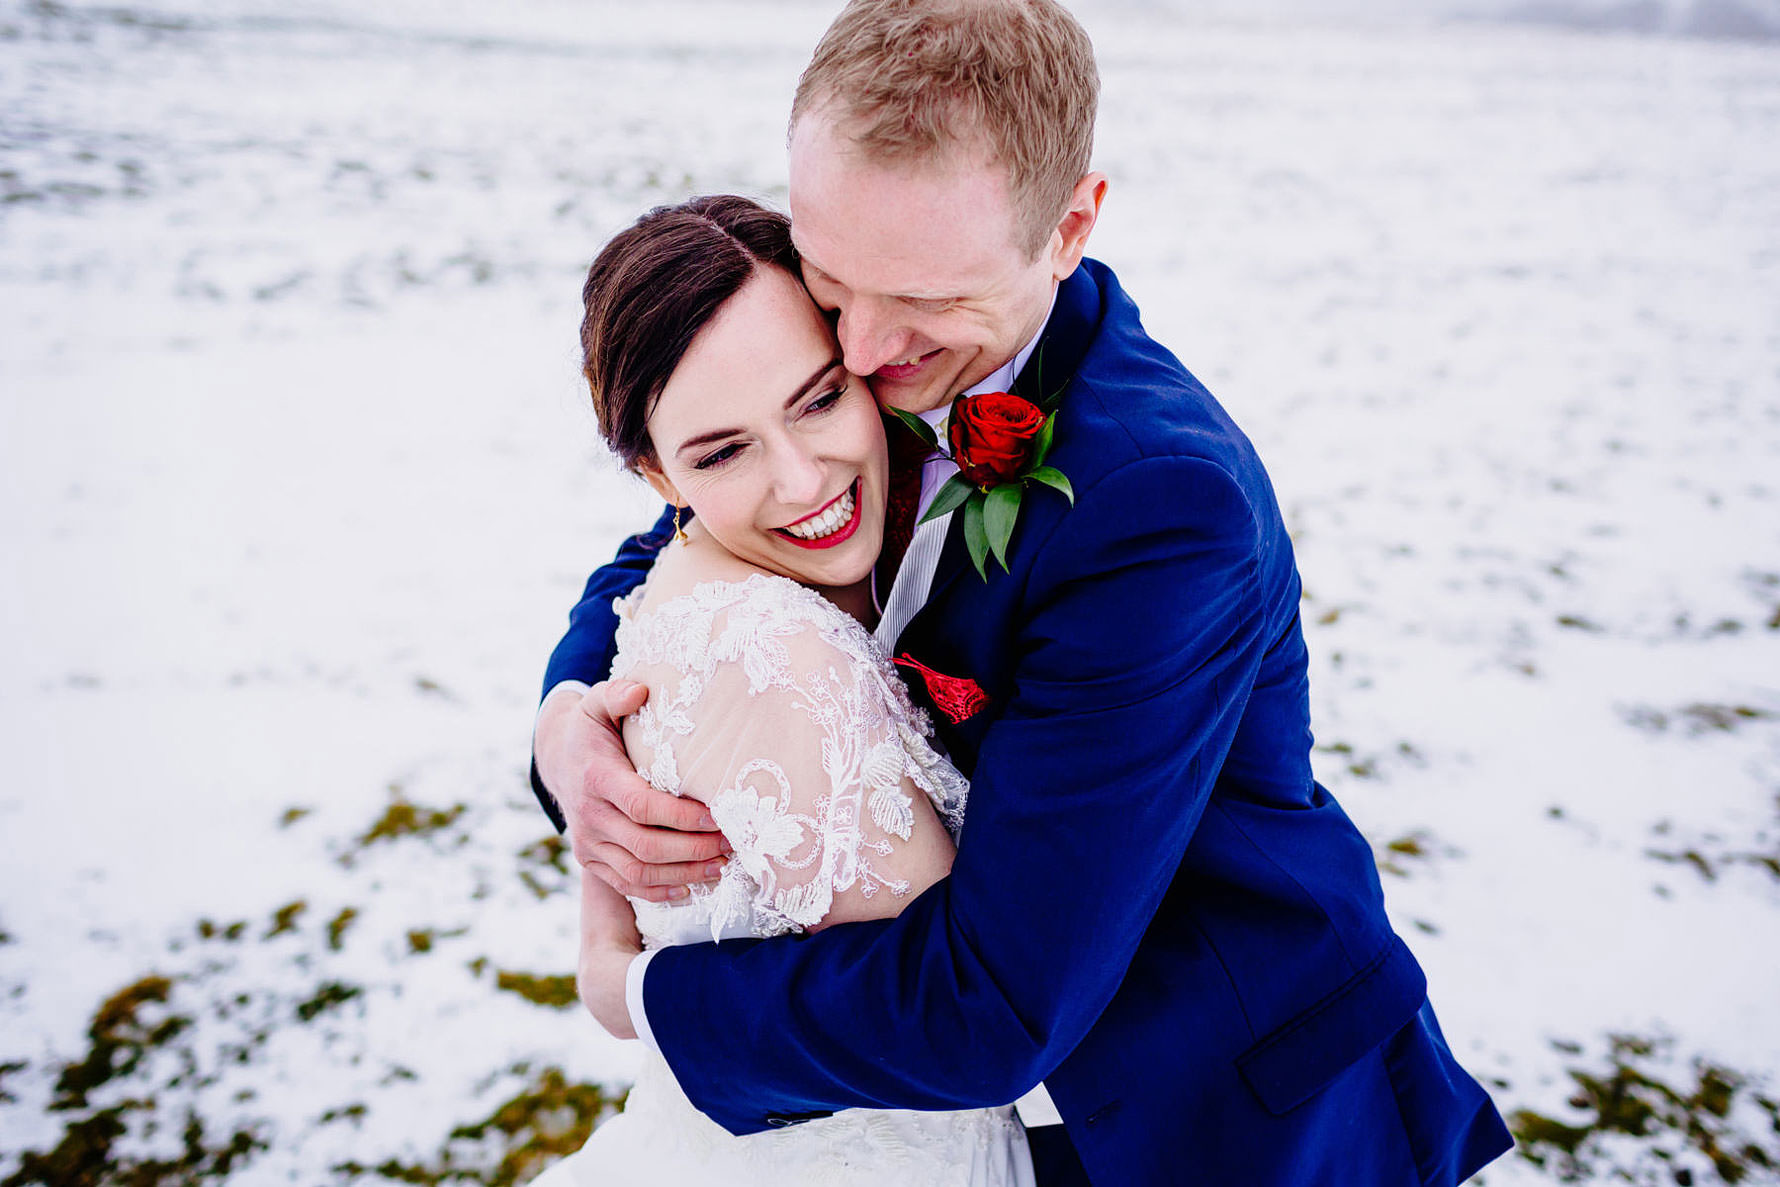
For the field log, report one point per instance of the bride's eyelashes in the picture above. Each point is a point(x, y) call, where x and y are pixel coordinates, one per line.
point(718, 457)
point(827, 399)
point(816, 405)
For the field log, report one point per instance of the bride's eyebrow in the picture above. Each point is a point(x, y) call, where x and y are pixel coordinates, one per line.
point(803, 389)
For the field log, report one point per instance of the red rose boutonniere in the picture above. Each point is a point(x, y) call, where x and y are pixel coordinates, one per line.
point(1000, 442)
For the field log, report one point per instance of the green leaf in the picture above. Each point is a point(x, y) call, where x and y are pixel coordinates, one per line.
point(975, 538)
point(999, 511)
point(955, 491)
point(1041, 444)
point(1054, 478)
point(918, 426)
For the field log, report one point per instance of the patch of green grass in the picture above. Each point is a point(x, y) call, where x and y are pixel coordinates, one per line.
point(87, 1155)
point(422, 939)
point(209, 929)
point(1710, 855)
point(7, 1069)
point(122, 1034)
point(544, 867)
point(1699, 717)
point(354, 1114)
point(128, 1028)
point(284, 919)
point(547, 1119)
point(1401, 855)
point(403, 818)
point(556, 992)
point(329, 995)
point(1707, 1122)
point(337, 927)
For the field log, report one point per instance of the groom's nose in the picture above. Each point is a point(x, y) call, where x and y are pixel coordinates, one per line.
point(870, 336)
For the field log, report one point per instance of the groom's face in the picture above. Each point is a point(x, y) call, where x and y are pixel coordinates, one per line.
point(920, 267)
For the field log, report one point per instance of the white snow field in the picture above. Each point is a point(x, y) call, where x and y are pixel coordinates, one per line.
point(297, 483)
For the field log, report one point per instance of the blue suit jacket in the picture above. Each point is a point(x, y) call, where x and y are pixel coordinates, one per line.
point(1155, 908)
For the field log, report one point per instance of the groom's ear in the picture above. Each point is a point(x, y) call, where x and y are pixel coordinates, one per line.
point(1070, 240)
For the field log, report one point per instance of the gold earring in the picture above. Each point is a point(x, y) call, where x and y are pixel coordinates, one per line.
point(679, 532)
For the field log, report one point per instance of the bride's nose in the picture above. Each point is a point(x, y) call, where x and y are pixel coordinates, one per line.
point(799, 477)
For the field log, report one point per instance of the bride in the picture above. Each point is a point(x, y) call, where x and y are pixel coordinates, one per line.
point(716, 377)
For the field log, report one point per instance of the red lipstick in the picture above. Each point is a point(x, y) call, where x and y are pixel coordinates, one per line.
point(840, 535)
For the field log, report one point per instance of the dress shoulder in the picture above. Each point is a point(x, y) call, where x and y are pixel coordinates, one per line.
point(781, 635)
point(770, 625)
point(783, 714)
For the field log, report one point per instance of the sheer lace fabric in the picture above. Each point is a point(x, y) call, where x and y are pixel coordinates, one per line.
point(784, 712)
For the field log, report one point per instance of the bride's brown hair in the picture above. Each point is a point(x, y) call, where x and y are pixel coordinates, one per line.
point(652, 288)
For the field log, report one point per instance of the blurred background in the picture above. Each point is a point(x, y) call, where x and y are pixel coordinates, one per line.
point(298, 482)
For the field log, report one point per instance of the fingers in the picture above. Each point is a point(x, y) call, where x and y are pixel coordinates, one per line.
point(613, 700)
point(638, 840)
point(650, 807)
point(653, 863)
point(657, 883)
point(618, 805)
point(668, 893)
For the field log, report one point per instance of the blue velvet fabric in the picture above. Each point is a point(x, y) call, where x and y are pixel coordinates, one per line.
point(1155, 908)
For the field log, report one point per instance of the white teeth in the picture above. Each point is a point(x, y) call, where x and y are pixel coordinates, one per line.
point(827, 523)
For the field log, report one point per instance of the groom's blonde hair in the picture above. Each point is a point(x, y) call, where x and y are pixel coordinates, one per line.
point(914, 81)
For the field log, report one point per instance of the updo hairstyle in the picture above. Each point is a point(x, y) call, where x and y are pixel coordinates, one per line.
point(650, 292)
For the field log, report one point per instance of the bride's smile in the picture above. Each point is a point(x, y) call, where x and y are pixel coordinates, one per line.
point(832, 525)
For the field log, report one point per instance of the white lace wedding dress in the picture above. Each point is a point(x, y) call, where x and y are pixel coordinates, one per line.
point(821, 776)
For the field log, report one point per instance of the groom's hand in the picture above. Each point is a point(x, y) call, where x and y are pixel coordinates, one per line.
point(639, 841)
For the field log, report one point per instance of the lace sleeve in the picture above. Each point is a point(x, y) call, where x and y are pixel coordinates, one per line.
point(794, 731)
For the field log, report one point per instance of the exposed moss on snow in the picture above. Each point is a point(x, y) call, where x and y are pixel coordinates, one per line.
point(403, 818)
point(128, 1028)
point(330, 995)
point(1711, 1121)
point(122, 1034)
point(556, 992)
point(548, 1118)
point(284, 919)
point(544, 867)
point(337, 927)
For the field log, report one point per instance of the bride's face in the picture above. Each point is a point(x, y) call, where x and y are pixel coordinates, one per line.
point(776, 448)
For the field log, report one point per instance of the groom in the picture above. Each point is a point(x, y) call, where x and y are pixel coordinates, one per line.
point(1155, 911)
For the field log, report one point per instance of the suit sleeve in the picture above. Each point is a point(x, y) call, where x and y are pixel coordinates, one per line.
point(1141, 640)
point(586, 650)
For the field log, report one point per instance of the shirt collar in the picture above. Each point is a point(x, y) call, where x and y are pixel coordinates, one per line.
point(1000, 380)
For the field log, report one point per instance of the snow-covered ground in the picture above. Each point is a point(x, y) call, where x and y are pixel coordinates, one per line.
point(297, 482)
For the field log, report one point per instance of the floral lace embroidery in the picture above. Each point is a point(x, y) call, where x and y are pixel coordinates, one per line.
point(743, 662)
